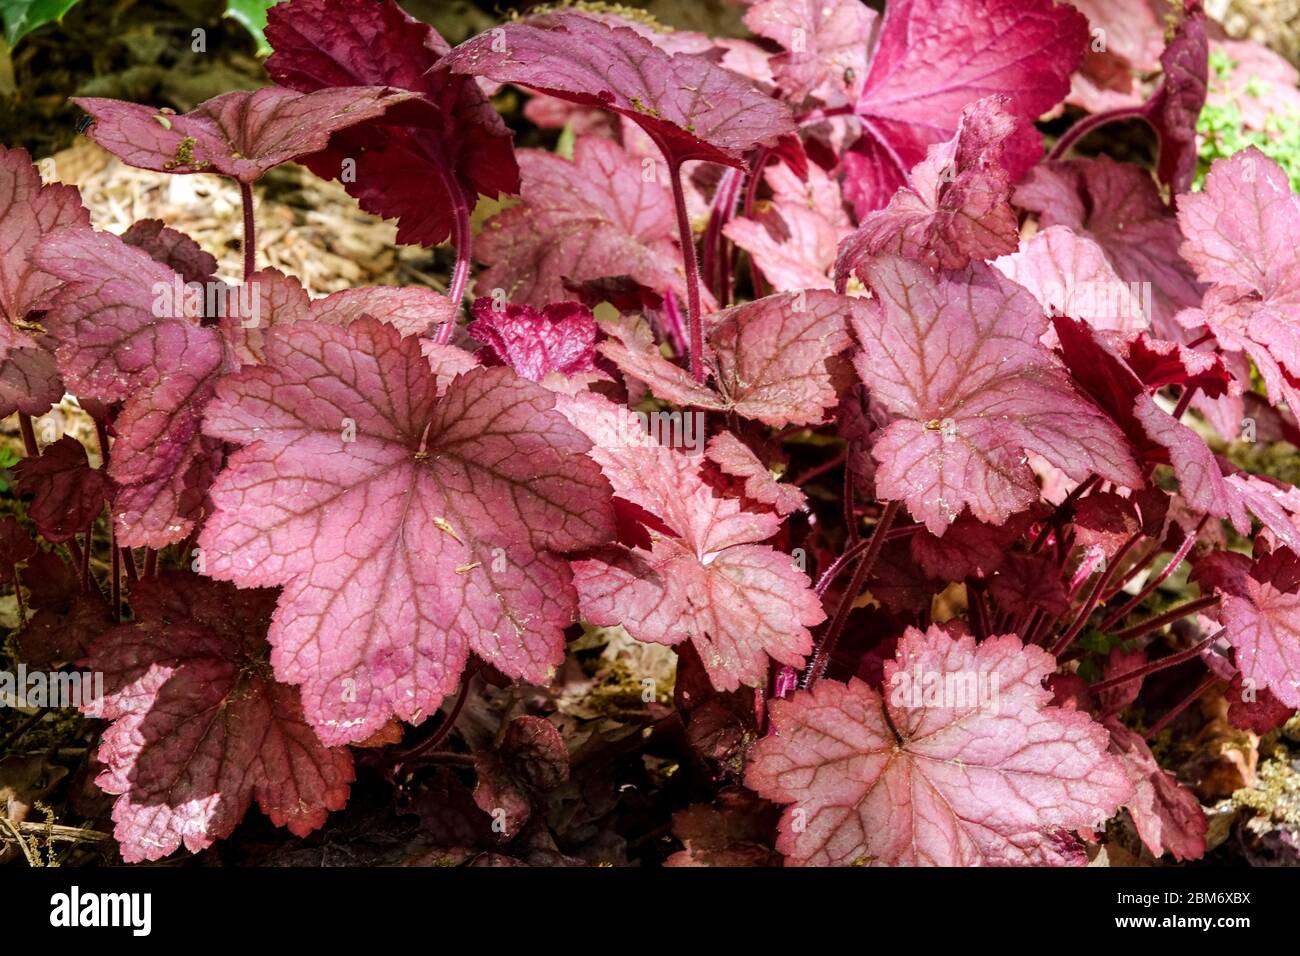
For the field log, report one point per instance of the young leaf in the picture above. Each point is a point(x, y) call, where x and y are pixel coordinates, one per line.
point(702, 575)
point(594, 217)
point(793, 238)
point(199, 728)
point(240, 134)
point(1069, 274)
point(67, 493)
point(173, 249)
point(691, 108)
point(957, 206)
point(29, 211)
point(933, 58)
point(768, 358)
point(920, 778)
point(401, 173)
point(735, 458)
point(561, 338)
point(957, 359)
point(407, 529)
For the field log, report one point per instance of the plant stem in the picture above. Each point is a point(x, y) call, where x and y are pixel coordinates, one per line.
point(1164, 662)
point(18, 596)
point(29, 435)
point(150, 563)
point(117, 569)
point(1155, 623)
point(463, 236)
point(1182, 705)
point(444, 728)
point(1090, 123)
point(826, 647)
point(21, 730)
point(694, 320)
point(1090, 603)
point(1183, 550)
point(250, 238)
point(716, 267)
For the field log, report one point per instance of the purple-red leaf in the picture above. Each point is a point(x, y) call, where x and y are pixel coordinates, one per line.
point(408, 529)
point(125, 332)
point(768, 358)
point(690, 107)
point(411, 175)
point(944, 770)
point(67, 493)
point(1167, 816)
point(934, 57)
point(561, 338)
point(199, 728)
point(957, 359)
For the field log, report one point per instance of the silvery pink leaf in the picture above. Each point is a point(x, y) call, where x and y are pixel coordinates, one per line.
point(900, 779)
point(767, 357)
point(702, 575)
point(594, 217)
point(825, 46)
point(956, 358)
point(408, 529)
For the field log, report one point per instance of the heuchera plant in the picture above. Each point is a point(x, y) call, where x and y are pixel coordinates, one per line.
point(899, 473)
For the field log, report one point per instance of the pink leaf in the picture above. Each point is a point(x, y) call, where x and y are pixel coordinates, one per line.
point(934, 57)
point(1069, 274)
point(769, 358)
point(1243, 237)
point(825, 42)
point(1118, 207)
point(408, 530)
point(957, 206)
point(735, 458)
point(1133, 38)
point(29, 211)
point(401, 173)
point(956, 358)
point(240, 134)
point(1261, 611)
point(702, 576)
point(126, 332)
point(968, 547)
point(1176, 106)
point(917, 779)
point(199, 729)
point(592, 218)
point(691, 108)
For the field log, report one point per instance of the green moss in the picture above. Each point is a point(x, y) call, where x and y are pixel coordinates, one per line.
point(1222, 134)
